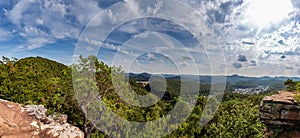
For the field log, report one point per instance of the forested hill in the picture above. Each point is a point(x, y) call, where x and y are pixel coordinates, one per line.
point(36, 80)
point(41, 65)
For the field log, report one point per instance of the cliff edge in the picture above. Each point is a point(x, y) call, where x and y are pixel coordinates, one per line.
point(31, 122)
point(281, 115)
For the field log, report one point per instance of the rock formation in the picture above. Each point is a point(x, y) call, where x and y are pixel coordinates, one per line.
point(281, 115)
point(32, 122)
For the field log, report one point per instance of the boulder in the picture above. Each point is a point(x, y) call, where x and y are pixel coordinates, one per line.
point(31, 122)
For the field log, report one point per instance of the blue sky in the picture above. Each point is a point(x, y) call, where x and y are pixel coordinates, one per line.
point(217, 37)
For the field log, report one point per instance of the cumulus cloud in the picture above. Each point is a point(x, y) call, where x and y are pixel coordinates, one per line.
point(40, 23)
point(236, 36)
point(220, 14)
point(296, 3)
point(51, 20)
point(16, 14)
point(84, 11)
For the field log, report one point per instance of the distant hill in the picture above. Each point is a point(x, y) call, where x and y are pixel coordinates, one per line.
point(232, 82)
point(140, 77)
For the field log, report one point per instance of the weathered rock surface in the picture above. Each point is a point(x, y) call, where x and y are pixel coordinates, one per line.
point(32, 122)
point(281, 114)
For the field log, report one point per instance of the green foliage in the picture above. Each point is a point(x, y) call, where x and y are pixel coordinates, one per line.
point(294, 87)
point(297, 87)
point(297, 97)
point(42, 81)
point(235, 118)
point(290, 85)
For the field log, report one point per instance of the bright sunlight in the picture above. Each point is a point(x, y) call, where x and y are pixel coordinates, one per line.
point(262, 13)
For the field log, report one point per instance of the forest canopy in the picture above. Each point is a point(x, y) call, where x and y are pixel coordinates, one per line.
point(37, 80)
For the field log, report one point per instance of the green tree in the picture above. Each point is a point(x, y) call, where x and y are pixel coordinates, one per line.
point(42, 81)
point(290, 85)
point(297, 89)
point(236, 118)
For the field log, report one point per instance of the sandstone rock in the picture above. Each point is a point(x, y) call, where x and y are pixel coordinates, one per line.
point(32, 122)
point(281, 97)
point(281, 114)
point(290, 115)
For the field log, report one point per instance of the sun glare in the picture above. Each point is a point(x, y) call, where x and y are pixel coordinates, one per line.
point(262, 13)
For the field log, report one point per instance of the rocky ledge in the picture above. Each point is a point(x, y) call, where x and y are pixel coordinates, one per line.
point(281, 115)
point(31, 122)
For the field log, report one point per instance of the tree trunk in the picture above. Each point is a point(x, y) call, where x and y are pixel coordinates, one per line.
point(87, 128)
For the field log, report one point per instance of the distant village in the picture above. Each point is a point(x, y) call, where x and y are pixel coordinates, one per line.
point(256, 90)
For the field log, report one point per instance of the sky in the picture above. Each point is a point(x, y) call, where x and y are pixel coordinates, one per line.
point(208, 37)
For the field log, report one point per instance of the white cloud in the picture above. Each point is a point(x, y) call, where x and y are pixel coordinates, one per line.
point(84, 11)
point(66, 20)
point(156, 7)
point(56, 6)
point(126, 52)
point(278, 38)
point(33, 31)
point(51, 20)
point(37, 42)
point(296, 3)
point(4, 35)
point(16, 14)
point(134, 7)
point(142, 35)
point(129, 28)
point(54, 16)
point(39, 21)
